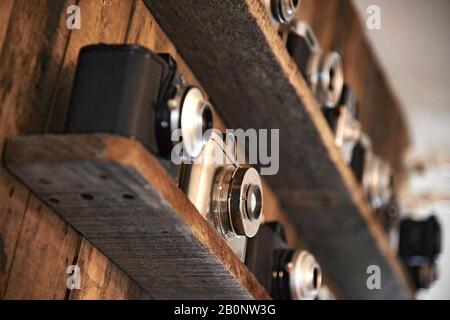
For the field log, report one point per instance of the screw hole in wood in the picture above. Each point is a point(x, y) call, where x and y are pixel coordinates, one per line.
point(128, 196)
point(54, 200)
point(87, 196)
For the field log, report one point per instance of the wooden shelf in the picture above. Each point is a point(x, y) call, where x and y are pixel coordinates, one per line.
point(119, 197)
point(246, 70)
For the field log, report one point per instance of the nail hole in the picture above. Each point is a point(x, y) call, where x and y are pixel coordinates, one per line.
point(128, 196)
point(87, 196)
point(54, 200)
point(103, 177)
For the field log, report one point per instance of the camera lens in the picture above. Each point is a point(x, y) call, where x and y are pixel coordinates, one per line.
point(325, 76)
point(245, 202)
point(296, 275)
point(196, 119)
point(207, 119)
point(305, 276)
point(331, 80)
point(253, 203)
point(316, 278)
point(377, 181)
point(282, 11)
point(288, 8)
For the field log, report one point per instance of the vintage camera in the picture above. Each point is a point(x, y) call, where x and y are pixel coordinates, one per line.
point(373, 172)
point(227, 193)
point(343, 123)
point(130, 91)
point(419, 249)
point(287, 273)
point(322, 70)
point(281, 12)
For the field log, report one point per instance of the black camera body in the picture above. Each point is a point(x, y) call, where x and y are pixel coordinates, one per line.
point(287, 273)
point(129, 91)
point(419, 249)
point(322, 70)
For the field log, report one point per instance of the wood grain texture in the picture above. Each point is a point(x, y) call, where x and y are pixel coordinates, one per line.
point(101, 279)
point(120, 198)
point(13, 202)
point(5, 12)
point(44, 251)
point(32, 48)
point(35, 79)
point(260, 87)
point(107, 22)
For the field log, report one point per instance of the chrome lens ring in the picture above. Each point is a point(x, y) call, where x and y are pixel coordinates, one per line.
point(220, 205)
point(305, 276)
point(282, 11)
point(330, 80)
point(253, 202)
point(286, 9)
point(245, 202)
point(347, 133)
point(378, 181)
point(383, 181)
point(196, 119)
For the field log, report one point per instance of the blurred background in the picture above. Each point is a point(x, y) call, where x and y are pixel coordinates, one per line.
point(413, 47)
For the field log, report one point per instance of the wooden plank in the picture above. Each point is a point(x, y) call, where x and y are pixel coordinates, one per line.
point(253, 73)
point(101, 279)
point(14, 200)
point(48, 243)
point(30, 73)
point(5, 12)
point(105, 22)
point(30, 61)
point(121, 199)
point(32, 50)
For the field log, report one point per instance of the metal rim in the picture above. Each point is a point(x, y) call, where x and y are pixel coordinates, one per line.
point(331, 79)
point(195, 109)
point(244, 182)
point(282, 11)
point(305, 276)
point(377, 181)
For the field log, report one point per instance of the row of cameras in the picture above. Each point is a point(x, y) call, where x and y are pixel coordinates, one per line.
point(129, 91)
point(419, 242)
point(323, 72)
point(121, 89)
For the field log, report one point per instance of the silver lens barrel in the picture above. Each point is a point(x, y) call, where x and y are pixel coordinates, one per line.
point(296, 275)
point(282, 11)
point(347, 133)
point(245, 202)
point(238, 201)
point(377, 181)
point(305, 276)
point(326, 77)
point(195, 121)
